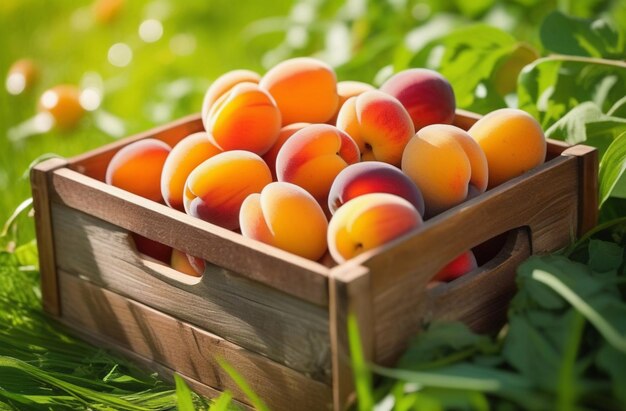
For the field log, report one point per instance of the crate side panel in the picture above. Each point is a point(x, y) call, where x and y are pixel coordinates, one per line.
point(546, 202)
point(245, 312)
point(185, 348)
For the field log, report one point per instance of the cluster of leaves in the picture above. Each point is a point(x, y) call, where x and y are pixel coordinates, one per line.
point(564, 346)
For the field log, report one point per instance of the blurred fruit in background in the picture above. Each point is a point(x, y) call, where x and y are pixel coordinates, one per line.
point(62, 102)
point(22, 75)
point(106, 11)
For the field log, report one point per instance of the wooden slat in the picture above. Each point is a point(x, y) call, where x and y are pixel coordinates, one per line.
point(187, 349)
point(588, 186)
point(549, 208)
point(480, 298)
point(39, 178)
point(269, 265)
point(95, 162)
point(350, 294)
point(288, 330)
point(544, 200)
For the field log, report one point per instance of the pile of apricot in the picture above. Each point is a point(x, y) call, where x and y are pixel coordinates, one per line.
point(313, 166)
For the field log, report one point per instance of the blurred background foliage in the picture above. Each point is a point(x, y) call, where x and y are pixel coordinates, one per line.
point(143, 63)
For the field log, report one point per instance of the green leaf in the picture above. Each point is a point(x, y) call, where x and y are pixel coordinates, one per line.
point(604, 256)
point(362, 376)
point(612, 362)
point(480, 47)
point(551, 87)
point(243, 385)
point(569, 35)
point(184, 399)
point(222, 403)
point(444, 343)
point(587, 124)
point(613, 168)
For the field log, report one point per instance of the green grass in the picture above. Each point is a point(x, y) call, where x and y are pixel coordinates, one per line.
point(44, 31)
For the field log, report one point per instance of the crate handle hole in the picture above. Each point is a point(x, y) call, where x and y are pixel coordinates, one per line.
point(165, 261)
point(512, 244)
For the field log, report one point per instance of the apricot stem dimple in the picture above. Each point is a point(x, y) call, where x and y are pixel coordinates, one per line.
point(368, 147)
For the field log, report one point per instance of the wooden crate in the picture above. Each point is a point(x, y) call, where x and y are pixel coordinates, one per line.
point(279, 319)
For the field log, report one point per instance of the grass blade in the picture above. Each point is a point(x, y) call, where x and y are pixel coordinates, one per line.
point(256, 401)
point(362, 375)
point(184, 398)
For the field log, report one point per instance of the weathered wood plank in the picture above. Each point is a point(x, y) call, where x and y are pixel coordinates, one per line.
point(187, 349)
point(588, 186)
point(350, 294)
point(400, 271)
point(40, 180)
point(269, 265)
point(288, 330)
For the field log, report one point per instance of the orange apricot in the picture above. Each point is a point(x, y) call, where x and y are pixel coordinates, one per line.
point(513, 142)
point(314, 156)
point(369, 221)
point(379, 124)
point(189, 153)
point(305, 90)
point(222, 85)
point(62, 102)
point(285, 133)
point(244, 118)
point(215, 190)
point(446, 164)
point(285, 216)
point(347, 89)
point(137, 168)
point(182, 262)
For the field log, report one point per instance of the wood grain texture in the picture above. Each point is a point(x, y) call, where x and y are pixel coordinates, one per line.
point(187, 349)
point(480, 298)
point(263, 320)
point(269, 265)
point(544, 200)
point(40, 180)
point(350, 294)
point(588, 186)
point(95, 162)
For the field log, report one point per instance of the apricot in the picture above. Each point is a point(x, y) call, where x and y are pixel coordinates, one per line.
point(22, 75)
point(106, 11)
point(222, 85)
point(513, 142)
point(284, 134)
point(151, 248)
point(62, 102)
point(456, 268)
point(446, 164)
point(369, 221)
point(373, 177)
point(305, 90)
point(215, 190)
point(186, 264)
point(313, 157)
point(244, 118)
point(347, 89)
point(426, 95)
point(137, 168)
point(379, 125)
point(189, 153)
point(285, 216)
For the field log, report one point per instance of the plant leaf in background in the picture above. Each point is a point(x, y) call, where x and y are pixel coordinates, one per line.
point(550, 87)
point(184, 399)
point(481, 47)
point(563, 34)
point(612, 174)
